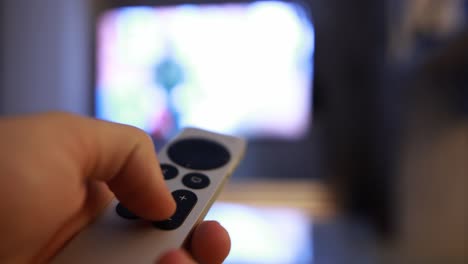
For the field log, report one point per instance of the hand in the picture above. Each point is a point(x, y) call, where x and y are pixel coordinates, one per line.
point(59, 171)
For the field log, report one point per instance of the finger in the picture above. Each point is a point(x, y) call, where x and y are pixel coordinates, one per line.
point(176, 257)
point(124, 157)
point(210, 243)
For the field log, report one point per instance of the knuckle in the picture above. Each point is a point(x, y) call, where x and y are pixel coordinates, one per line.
point(140, 135)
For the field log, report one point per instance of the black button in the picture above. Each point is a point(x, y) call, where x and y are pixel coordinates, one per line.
point(124, 212)
point(196, 180)
point(169, 171)
point(198, 154)
point(185, 201)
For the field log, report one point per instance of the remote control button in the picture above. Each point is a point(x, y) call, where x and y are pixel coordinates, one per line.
point(125, 213)
point(169, 171)
point(196, 180)
point(198, 154)
point(185, 201)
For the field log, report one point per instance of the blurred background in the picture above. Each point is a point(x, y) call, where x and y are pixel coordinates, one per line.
point(356, 112)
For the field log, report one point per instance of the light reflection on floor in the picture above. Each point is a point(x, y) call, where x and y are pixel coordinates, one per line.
point(265, 235)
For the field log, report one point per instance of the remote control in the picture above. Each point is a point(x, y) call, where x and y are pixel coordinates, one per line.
point(195, 165)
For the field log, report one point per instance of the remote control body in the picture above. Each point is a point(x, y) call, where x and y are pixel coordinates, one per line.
point(196, 164)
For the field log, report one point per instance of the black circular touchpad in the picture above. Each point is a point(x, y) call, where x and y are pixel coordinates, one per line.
point(198, 154)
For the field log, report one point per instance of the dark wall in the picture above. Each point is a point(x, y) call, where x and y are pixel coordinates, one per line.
point(355, 109)
point(44, 56)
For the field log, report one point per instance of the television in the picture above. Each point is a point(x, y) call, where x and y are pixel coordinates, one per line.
point(241, 68)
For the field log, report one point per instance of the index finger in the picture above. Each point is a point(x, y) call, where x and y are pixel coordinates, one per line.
point(125, 158)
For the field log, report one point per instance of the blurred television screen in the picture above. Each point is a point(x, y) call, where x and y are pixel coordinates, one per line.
point(236, 68)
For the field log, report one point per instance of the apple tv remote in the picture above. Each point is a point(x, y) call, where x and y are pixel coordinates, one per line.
point(195, 164)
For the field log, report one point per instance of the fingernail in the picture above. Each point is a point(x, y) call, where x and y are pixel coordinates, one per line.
point(213, 221)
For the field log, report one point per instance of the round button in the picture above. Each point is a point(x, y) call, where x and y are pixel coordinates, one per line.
point(169, 171)
point(124, 212)
point(198, 154)
point(196, 180)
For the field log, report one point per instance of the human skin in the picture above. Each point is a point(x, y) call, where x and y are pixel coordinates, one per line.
point(58, 171)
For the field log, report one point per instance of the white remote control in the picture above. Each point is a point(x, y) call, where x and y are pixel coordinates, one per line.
point(196, 164)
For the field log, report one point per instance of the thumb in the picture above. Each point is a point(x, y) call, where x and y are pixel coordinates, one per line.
point(175, 257)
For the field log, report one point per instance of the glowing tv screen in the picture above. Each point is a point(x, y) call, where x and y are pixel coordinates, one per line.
point(237, 68)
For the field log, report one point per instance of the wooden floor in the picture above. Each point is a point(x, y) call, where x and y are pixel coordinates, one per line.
point(311, 197)
point(334, 239)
